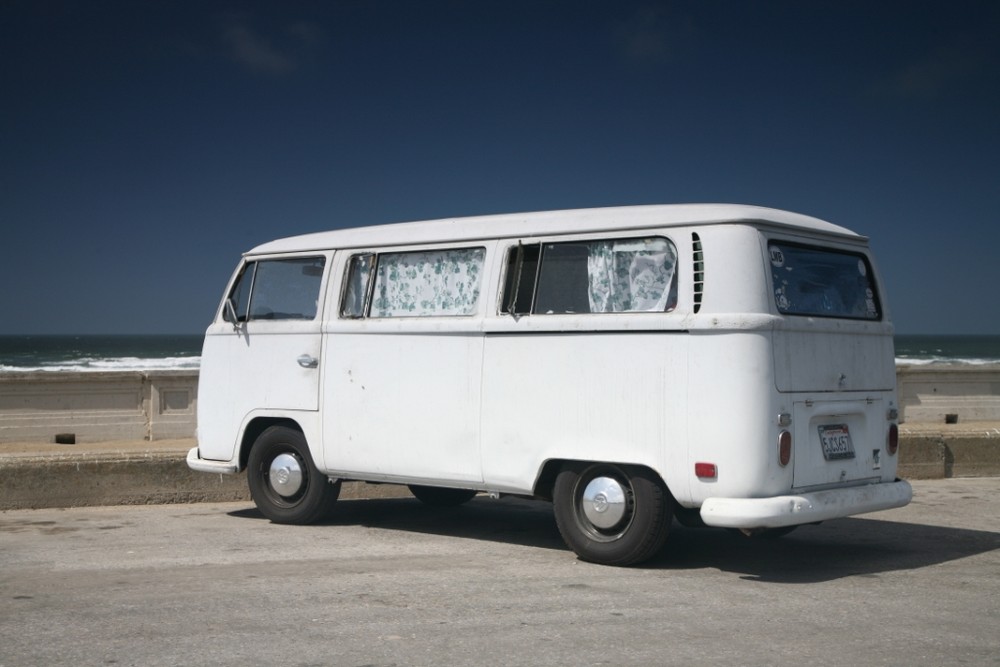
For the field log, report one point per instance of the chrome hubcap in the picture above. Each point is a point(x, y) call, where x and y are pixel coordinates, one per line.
point(285, 475)
point(604, 502)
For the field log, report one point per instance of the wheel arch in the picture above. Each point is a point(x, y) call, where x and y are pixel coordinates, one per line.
point(258, 425)
point(546, 479)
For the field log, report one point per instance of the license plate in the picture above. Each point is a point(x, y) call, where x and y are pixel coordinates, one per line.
point(836, 440)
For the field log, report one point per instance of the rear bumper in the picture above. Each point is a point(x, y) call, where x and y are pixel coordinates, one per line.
point(195, 462)
point(805, 508)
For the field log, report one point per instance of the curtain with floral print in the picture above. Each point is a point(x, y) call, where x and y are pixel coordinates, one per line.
point(428, 283)
point(633, 275)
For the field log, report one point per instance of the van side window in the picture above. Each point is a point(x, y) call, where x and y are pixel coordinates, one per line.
point(240, 296)
point(356, 291)
point(519, 285)
point(425, 283)
point(606, 276)
point(283, 289)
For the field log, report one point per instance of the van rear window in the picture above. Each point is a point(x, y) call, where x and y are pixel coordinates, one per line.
point(821, 282)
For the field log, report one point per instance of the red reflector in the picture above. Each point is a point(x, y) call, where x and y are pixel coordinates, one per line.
point(784, 448)
point(706, 470)
point(892, 439)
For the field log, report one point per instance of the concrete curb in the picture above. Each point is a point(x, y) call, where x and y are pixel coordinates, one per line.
point(933, 451)
point(45, 476)
point(86, 479)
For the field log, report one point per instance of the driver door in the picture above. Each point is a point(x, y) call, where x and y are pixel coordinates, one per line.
point(262, 354)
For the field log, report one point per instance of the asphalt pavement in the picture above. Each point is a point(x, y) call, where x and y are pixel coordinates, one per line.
point(393, 582)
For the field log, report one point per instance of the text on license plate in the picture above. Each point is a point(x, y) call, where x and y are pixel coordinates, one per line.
point(836, 441)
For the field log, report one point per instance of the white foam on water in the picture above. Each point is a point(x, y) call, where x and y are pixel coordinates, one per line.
point(90, 365)
point(942, 361)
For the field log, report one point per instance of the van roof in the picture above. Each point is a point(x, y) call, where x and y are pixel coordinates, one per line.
point(547, 223)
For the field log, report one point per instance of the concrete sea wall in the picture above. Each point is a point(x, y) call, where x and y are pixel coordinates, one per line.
point(98, 406)
point(158, 405)
point(948, 394)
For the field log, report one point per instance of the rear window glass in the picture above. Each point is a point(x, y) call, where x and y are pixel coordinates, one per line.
point(822, 282)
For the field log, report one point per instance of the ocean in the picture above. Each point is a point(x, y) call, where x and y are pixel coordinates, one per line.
point(100, 353)
point(926, 349)
point(183, 352)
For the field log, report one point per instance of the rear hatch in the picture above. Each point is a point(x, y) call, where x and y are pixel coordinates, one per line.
point(834, 360)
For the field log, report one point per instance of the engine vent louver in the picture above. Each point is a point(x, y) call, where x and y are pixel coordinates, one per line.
point(699, 271)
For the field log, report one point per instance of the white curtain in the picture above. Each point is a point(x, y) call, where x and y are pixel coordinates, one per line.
point(630, 275)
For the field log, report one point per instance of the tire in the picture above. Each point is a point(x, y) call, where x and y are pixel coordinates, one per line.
point(437, 496)
point(284, 483)
point(612, 515)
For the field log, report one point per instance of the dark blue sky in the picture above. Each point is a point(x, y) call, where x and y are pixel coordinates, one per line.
point(145, 145)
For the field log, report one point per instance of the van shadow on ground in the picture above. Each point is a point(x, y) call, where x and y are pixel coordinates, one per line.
point(829, 551)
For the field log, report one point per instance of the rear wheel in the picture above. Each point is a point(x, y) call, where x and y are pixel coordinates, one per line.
point(612, 515)
point(437, 496)
point(284, 483)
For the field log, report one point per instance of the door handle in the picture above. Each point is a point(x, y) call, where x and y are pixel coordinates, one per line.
point(308, 361)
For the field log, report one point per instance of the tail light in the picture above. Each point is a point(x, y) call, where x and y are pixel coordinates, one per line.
point(784, 448)
point(706, 471)
point(892, 439)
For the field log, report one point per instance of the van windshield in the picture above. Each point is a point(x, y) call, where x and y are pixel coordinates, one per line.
point(822, 282)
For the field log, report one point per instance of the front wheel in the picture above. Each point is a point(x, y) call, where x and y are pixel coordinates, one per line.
point(284, 483)
point(612, 515)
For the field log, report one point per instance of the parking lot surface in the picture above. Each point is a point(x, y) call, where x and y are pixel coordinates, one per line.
point(393, 582)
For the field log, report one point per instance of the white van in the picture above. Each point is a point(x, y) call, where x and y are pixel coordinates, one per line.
point(725, 365)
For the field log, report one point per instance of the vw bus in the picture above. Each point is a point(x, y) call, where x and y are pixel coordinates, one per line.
point(723, 365)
